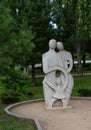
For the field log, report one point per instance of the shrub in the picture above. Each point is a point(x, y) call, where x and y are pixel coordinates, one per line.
point(13, 85)
point(13, 81)
point(10, 96)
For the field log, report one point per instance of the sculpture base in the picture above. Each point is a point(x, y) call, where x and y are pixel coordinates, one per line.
point(54, 108)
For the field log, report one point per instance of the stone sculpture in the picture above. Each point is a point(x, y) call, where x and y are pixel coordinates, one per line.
point(58, 81)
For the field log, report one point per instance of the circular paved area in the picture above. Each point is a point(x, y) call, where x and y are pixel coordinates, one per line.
point(76, 118)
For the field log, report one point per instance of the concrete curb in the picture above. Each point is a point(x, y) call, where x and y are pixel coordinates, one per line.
point(7, 110)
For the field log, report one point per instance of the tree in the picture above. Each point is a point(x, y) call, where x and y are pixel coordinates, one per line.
point(16, 35)
point(6, 22)
point(82, 30)
point(73, 20)
point(39, 18)
point(37, 15)
point(30, 25)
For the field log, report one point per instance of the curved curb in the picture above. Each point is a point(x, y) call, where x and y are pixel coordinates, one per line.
point(81, 98)
point(7, 110)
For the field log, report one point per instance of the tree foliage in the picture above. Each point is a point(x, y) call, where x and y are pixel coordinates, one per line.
point(30, 31)
point(17, 33)
point(73, 19)
point(27, 26)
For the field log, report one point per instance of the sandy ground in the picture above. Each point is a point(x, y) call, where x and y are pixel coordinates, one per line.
point(76, 118)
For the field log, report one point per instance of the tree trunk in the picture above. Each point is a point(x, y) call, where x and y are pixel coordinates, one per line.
point(26, 70)
point(84, 60)
point(79, 57)
point(33, 75)
point(80, 49)
point(73, 61)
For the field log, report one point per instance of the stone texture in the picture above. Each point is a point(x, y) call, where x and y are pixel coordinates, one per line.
point(58, 81)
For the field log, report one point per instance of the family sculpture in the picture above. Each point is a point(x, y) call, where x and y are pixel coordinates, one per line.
point(58, 81)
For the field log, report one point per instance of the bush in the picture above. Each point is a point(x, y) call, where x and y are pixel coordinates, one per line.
point(10, 96)
point(15, 88)
point(13, 81)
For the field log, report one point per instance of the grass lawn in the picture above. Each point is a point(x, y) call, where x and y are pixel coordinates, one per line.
point(12, 123)
point(80, 83)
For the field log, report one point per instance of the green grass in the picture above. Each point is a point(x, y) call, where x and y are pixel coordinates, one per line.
point(85, 69)
point(81, 83)
point(12, 123)
point(37, 92)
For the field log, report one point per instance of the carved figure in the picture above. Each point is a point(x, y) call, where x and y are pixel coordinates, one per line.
point(67, 64)
point(56, 78)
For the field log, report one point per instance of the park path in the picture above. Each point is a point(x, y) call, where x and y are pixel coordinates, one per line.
point(76, 118)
